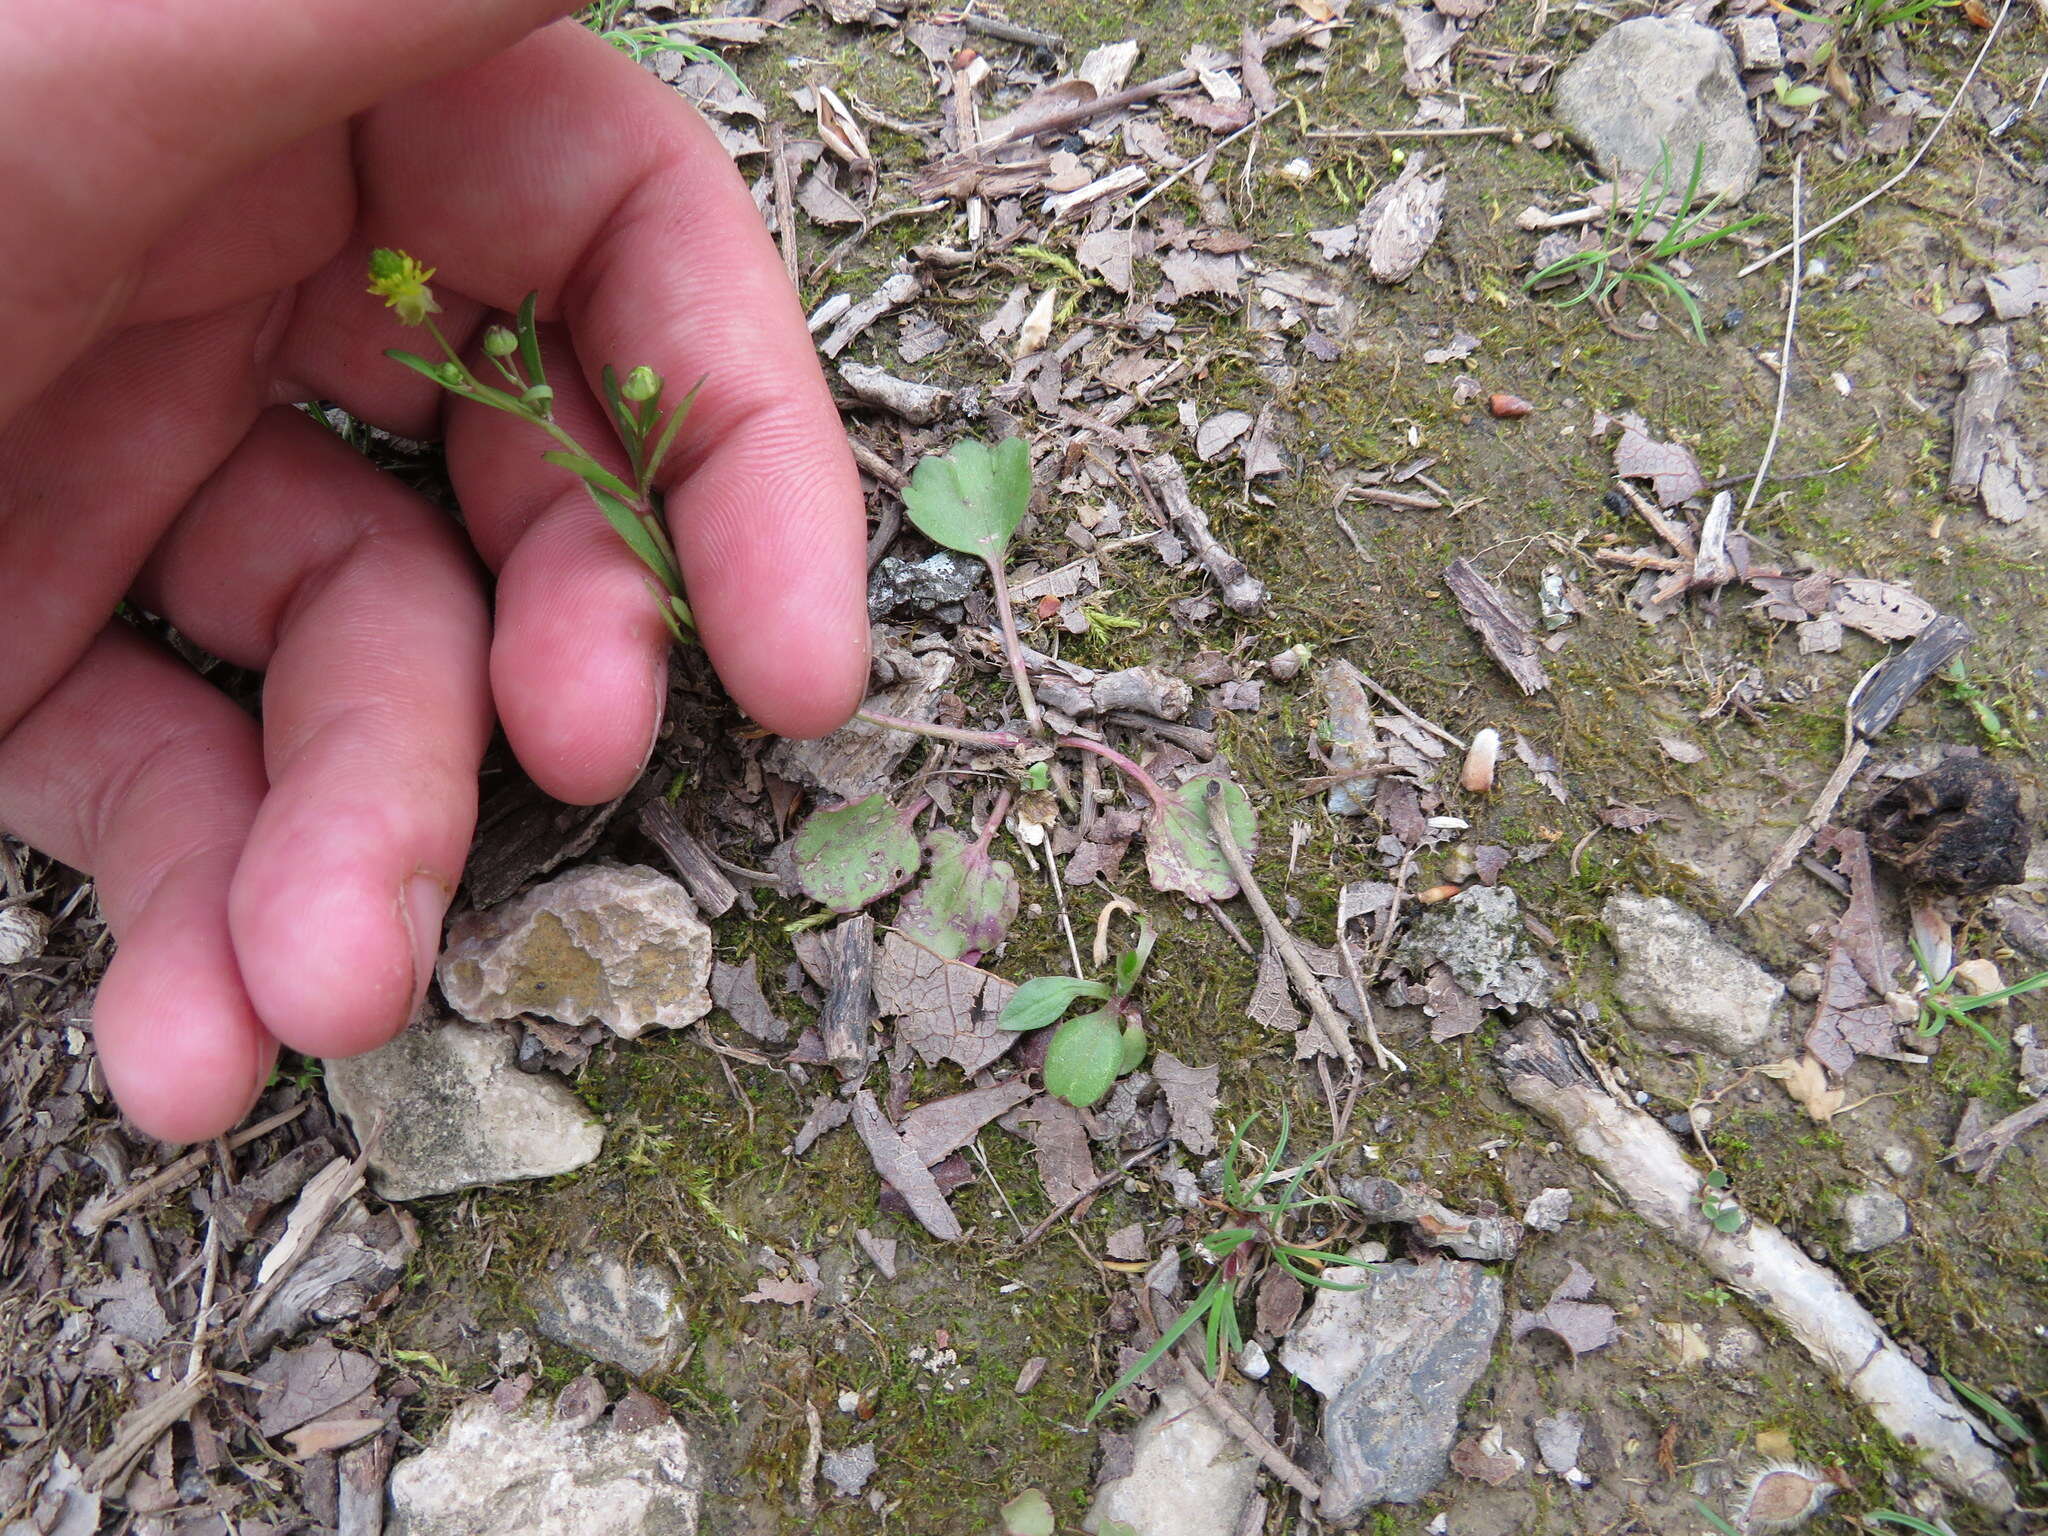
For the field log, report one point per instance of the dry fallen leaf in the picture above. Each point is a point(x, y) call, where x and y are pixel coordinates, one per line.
point(1190, 1101)
point(1670, 467)
point(1581, 1325)
point(1807, 1081)
point(841, 130)
point(788, 1291)
point(942, 1008)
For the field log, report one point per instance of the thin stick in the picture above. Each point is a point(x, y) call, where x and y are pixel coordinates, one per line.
point(1096, 1188)
point(785, 200)
point(1791, 323)
point(1311, 990)
point(98, 1214)
point(1275, 1460)
point(1387, 697)
point(1912, 165)
point(1855, 748)
point(1494, 131)
point(997, 741)
point(1013, 647)
point(1385, 1059)
point(1207, 157)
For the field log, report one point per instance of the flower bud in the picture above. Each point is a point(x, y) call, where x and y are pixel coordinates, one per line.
point(451, 374)
point(643, 383)
point(539, 395)
point(500, 342)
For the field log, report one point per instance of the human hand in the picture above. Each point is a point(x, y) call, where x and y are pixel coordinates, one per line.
point(193, 196)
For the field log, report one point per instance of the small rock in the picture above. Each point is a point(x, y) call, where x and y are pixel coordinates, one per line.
point(1558, 1438)
point(1897, 1159)
point(1548, 1211)
point(922, 586)
point(618, 943)
point(1660, 89)
point(1804, 985)
point(1392, 1361)
point(1678, 979)
point(1478, 936)
point(1756, 42)
point(1979, 978)
point(628, 1317)
point(525, 1474)
point(456, 1111)
point(1189, 1476)
point(848, 1471)
point(1734, 1348)
point(1875, 1217)
point(1253, 1360)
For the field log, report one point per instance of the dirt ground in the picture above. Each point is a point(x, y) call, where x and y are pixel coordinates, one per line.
point(695, 1166)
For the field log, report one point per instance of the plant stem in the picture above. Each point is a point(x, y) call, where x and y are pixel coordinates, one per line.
point(995, 740)
point(1012, 646)
point(995, 820)
point(1121, 763)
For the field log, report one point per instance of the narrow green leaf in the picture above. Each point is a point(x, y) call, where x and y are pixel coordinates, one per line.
point(627, 525)
point(855, 854)
point(659, 452)
point(971, 499)
point(1208, 1297)
point(592, 472)
point(1081, 1062)
point(529, 341)
point(1042, 999)
point(421, 365)
point(622, 418)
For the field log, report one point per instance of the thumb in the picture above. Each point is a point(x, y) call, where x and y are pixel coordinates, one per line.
point(109, 132)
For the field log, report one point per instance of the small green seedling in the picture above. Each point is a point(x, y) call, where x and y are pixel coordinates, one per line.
point(638, 43)
point(1089, 1051)
point(857, 853)
point(1616, 261)
point(968, 901)
point(1181, 851)
point(1942, 1005)
point(1973, 698)
point(1254, 1234)
point(971, 500)
point(1717, 1203)
point(647, 430)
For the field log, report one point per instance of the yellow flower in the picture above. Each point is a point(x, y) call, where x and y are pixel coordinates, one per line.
point(401, 282)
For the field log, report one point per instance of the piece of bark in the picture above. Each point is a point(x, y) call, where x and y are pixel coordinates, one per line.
point(1506, 638)
point(522, 833)
point(1987, 379)
point(1904, 675)
point(902, 1169)
point(691, 860)
point(1978, 1147)
point(1242, 592)
point(364, 1471)
point(846, 1019)
point(896, 290)
point(1641, 1160)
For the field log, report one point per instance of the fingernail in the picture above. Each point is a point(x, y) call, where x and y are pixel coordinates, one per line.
point(423, 905)
point(660, 713)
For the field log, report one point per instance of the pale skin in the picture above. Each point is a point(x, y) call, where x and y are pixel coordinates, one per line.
point(194, 187)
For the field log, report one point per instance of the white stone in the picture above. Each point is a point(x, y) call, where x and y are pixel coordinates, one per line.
point(627, 1316)
point(1189, 1476)
point(1676, 978)
point(1875, 1218)
point(524, 1475)
point(621, 944)
point(1650, 94)
point(450, 1109)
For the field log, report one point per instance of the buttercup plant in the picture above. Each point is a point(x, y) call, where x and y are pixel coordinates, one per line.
point(646, 429)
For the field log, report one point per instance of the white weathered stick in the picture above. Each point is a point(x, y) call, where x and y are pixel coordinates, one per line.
point(1644, 1163)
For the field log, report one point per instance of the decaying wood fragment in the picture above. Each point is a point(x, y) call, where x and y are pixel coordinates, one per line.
point(962, 175)
point(1242, 591)
point(714, 894)
point(365, 1469)
point(1645, 1166)
point(896, 290)
point(918, 404)
point(1506, 638)
point(846, 1019)
point(1987, 379)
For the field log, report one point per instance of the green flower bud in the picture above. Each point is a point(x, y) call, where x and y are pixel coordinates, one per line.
point(452, 375)
point(500, 342)
point(540, 395)
point(643, 383)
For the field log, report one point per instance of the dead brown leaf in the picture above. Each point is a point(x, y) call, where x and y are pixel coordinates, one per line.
point(1190, 1101)
point(943, 1009)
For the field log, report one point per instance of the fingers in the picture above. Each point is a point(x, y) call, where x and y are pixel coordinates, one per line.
point(579, 655)
point(608, 195)
point(364, 607)
point(152, 112)
point(137, 770)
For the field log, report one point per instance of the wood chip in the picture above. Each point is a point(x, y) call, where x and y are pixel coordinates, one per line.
point(1506, 638)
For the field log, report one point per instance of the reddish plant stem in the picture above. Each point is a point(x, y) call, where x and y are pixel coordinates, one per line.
point(1012, 646)
point(1121, 763)
point(995, 819)
point(997, 740)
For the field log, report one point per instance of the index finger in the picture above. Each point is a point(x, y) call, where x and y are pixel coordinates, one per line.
point(560, 167)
